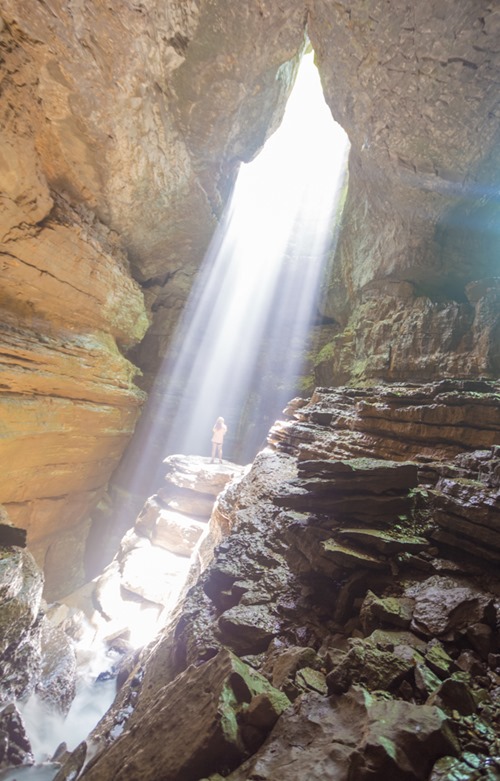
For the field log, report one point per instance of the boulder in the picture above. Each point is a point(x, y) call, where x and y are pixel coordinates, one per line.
point(356, 735)
point(166, 573)
point(373, 668)
point(445, 604)
point(392, 611)
point(210, 718)
point(248, 629)
point(174, 531)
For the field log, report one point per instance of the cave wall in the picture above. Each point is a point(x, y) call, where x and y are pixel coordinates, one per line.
point(414, 282)
point(122, 131)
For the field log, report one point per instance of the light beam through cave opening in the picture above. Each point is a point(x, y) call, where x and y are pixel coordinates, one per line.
point(239, 348)
point(241, 343)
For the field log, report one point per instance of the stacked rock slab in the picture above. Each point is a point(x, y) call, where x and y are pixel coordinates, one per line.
point(170, 543)
point(406, 650)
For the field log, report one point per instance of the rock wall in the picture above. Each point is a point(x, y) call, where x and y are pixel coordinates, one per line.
point(108, 153)
point(413, 281)
point(122, 133)
point(336, 634)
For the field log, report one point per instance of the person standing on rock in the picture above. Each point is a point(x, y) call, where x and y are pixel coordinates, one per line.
point(218, 432)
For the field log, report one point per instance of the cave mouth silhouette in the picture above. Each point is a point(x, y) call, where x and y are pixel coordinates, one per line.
point(242, 339)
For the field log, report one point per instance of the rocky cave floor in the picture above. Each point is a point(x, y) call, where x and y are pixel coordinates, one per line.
point(347, 626)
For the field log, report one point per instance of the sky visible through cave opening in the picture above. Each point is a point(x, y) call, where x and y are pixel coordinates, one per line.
point(241, 338)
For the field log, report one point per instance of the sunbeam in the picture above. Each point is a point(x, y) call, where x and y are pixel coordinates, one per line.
point(240, 343)
point(254, 296)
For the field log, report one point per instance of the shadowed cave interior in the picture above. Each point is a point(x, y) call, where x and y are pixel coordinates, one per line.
point(324, 602)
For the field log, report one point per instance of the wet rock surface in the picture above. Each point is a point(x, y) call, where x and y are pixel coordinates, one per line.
point(123, 133)
point(15, 748)
point(391, 670)
point(21, 584)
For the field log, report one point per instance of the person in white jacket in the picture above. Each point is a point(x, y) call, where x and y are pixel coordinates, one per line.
point(218, 432)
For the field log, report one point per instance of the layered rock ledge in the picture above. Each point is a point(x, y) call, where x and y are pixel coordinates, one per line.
point(357, 611)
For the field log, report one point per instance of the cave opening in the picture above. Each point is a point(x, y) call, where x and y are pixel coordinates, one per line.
point(240, 347)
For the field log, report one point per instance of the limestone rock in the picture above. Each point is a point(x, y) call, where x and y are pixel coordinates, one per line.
point(467, 511)
point(440, 420)
point(202, 717)
point(70, 308)
point(57, 684)
point(371, 738)
point(111, 148)
point(185, 472)
point(289, 662)
point(171, 530)
point(454, 694)
point(362, 489)
point(386, 542)
point(392, 611)
point(19, 627)
point(248, 629)
point(374, 76)
point(270, 595)
point(444, 605)
point(187, 501)
point(366, 664)
point(308, 679)
point(164, 570)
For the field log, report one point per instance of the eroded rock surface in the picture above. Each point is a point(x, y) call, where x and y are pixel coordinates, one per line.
point(409, 649)
point(162, 554)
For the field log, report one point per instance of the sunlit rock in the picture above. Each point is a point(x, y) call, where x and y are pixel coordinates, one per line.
point(164, 569)
point(172, 530)
point(198, 474)
point(186, 501)
point(72, 308)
